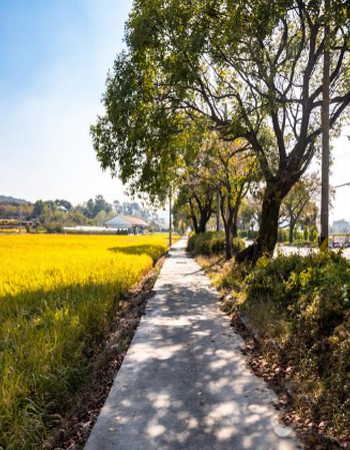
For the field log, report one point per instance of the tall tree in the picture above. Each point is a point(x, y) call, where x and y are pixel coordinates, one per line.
point(197, 200)
point(231, 172)
point(252, 68)
point(88, 208)
point(101, 205)
point(39, 208)
point(117, 207)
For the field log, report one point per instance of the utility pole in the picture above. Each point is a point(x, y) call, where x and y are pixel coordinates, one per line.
point(325, 138)
point(170, 220)
point(218, 213)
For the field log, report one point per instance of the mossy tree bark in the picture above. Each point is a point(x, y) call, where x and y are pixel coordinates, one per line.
point(268, 232)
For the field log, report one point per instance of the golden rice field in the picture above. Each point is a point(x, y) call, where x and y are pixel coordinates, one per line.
point(58, 295)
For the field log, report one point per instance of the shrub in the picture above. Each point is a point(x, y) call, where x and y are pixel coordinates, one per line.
point(243, 234)
point(54, 227)
point(300, 308)
point(283, 235)
point(211, 243)
point(238, 245)
point(191, 242)
point(310, 297)
point(247, 234)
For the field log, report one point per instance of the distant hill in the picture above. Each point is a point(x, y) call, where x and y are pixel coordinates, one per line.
point(12, 200)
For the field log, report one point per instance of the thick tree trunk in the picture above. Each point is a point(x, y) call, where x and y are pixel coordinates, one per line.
point(193, 217)
point(228, 244)
point(268, 232)
point(203, 223)
point(269, 223)
point(205, 211)
point(195, 225)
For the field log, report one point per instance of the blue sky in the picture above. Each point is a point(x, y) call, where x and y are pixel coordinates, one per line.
point(54, 58)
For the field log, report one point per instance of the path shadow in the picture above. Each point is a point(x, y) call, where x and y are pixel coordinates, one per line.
point(183, 385)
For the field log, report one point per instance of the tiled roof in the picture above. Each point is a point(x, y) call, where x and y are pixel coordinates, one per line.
point(135, 221)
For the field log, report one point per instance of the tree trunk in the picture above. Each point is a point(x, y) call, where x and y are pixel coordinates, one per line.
point(269, 223)
point(205, 211)
point(193, 217)
point(195, 224)
point(228, 242)
point(268, 232)
point(203, 223)
point(218, 212)
point(234, 224)
point(291, 231)
point(228, 219)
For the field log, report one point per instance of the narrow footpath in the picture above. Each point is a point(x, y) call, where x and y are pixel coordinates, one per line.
point(184, 383)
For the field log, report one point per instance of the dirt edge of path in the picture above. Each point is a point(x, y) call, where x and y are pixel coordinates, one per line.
point(74, 429)
point(285, 405)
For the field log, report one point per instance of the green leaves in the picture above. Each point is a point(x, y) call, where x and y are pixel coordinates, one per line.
point(136, 139)
point(249, 70)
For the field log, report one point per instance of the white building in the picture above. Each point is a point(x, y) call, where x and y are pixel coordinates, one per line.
point(122, 222)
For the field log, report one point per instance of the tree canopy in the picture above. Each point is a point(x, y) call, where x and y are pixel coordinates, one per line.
point(251, 69)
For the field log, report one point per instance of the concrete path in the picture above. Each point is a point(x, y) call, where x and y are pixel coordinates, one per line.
point(184, 383)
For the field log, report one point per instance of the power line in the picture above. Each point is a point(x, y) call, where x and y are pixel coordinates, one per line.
point(342, 185)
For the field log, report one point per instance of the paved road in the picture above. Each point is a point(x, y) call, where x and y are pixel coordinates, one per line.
point(184, 384)
point(303, 251)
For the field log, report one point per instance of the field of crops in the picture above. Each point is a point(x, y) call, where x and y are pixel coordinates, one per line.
point(58, 295)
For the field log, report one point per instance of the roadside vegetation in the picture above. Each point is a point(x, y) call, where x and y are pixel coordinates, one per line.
point(299, 310)
point(58, 298)
point(212, 243)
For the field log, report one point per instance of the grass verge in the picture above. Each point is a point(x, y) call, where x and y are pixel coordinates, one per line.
point(297, 311)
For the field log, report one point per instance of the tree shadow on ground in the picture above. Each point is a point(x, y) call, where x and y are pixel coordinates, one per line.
point(176, 388)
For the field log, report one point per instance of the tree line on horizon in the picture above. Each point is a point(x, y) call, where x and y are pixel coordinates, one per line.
point(53, 215)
